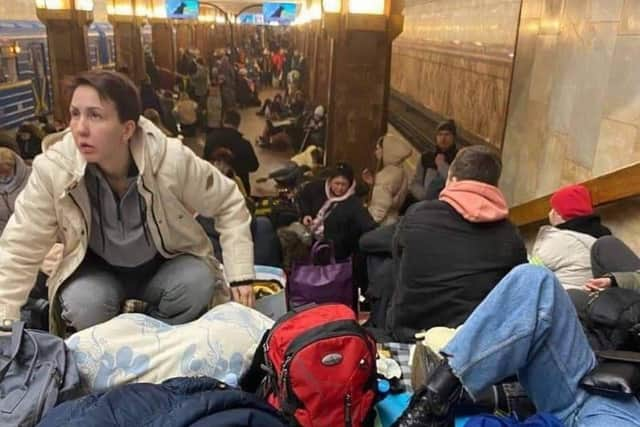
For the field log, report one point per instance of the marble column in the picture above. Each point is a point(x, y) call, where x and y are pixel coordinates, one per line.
point(68, 52)
point(204, 39)
point(185, 35)
point(129, 49)
point(163, 46)
point(359, 59)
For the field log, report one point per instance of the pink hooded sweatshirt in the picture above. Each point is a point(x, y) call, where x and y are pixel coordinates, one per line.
point(476, 201)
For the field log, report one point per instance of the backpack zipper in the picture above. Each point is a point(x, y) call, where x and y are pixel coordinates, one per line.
point(347, 410)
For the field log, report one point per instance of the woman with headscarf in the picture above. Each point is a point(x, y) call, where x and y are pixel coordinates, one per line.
point(332, 211)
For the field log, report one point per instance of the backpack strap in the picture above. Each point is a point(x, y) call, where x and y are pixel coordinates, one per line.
point(254, 376)
point(17, 332)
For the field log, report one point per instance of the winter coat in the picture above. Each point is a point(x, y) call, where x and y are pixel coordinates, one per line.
point(200, 81)
point(244, 158)
point(566, 253)
point(178, 402)
point(214, 109)
point(345, 223)
point(449, 254)
point(9, 192)
point(391, 184)
point(173, 182)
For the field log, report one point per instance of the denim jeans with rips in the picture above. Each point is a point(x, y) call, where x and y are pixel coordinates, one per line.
point(528, 326)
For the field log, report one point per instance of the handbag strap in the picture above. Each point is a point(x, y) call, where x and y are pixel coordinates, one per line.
point(319, 245)
point(17, 332)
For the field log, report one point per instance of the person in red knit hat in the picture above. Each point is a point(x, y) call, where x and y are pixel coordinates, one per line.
point(565, 246)
point(572, 209)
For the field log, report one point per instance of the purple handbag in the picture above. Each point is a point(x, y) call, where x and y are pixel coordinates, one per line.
point(310, 282)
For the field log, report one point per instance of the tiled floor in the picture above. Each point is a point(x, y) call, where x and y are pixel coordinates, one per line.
point(270, 160)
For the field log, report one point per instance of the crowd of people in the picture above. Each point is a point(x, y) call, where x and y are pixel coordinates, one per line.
point(116, 208)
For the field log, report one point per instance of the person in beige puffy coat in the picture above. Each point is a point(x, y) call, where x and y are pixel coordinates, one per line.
point(391, 183)
point(120, 197)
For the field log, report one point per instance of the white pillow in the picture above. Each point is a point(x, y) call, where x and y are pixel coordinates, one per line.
point(136, 348)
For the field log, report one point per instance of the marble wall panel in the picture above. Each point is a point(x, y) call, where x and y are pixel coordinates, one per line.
point(541, 77)
point(623, 98)
point(555, 147)
point(595, 50)
point(617, 147)
point(575, 96)
point(606, 10)
point(630, 20)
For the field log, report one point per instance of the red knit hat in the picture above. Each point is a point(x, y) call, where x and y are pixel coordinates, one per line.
point(572, 201)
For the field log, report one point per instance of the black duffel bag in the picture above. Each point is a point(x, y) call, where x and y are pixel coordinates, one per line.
point(611, 318)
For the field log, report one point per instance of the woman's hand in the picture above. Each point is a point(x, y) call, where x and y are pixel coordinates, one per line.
point(600, 284)
point(307, 221)
point(367, 176)
point(243, 295)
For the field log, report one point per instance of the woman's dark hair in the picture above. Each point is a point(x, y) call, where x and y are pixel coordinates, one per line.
point(115, 87)
point(343, 170)
point(477, 163)
point(317, 155)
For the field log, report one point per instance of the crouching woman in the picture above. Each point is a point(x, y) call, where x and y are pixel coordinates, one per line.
point(120, 195)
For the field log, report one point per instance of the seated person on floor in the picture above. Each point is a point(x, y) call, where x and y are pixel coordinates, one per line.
point(614, 265)
point(390, 184)
point(315, 128)
point(453, 251)
point(120, 195)
point(14, 173)
point(526, 326)
point(228, 136)
point(433, 167)
point(564, 247)
point(304, 164)
point(297, 104)
point(333, 212)
point(266, 245)
point(186, 111)
point(274, 112)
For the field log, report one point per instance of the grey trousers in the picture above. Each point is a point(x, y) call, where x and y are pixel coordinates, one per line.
point(176, 291)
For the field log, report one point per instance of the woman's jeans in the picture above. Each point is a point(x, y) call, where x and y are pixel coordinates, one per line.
point(528, 326)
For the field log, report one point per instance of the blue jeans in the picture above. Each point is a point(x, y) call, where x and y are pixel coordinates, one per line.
point(528, 326)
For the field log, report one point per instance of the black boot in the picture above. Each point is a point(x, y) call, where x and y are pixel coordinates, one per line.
point(432, 405)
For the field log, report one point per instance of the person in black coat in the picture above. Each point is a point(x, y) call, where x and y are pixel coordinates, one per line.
point(450, 253)
point(244, 158)
point(333, 212)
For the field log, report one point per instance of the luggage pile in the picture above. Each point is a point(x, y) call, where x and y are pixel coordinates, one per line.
point(232, 367)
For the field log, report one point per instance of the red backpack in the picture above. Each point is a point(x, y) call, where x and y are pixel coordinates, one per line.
point(321, 367)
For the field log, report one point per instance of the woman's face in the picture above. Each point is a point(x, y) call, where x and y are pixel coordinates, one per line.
point(378, 152)
point(96, 128)
point(6, 172)
point(339, 186)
